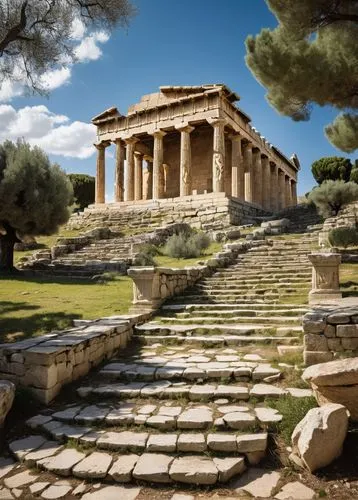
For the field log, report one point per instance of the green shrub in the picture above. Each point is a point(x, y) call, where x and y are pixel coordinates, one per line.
point(83, 189)
point(144, 259)
point(185, 245)
point(149, 249)
point(345, 236)
point(330, 196)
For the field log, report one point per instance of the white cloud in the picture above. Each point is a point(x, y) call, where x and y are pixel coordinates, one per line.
point(53, 79)
point(85, 51)
point(52, 132)
point(88, 49)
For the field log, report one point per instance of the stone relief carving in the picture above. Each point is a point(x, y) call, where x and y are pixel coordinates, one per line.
point(219, 165)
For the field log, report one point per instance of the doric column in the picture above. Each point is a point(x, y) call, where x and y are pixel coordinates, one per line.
point(158, 171)
point(119, 170)
point(288, 191)
point(274, 201)
point(129, 187)
point(294, 192)
point(237, 168)
point(257, 182)
point(247, 157)
point(266, 182)
point(138, 175)
point(185, 159)
point(281, 190)
point(148, 185)
point(101, 171)
point(218, 155)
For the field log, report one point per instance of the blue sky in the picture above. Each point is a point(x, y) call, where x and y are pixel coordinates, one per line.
point(169, 42)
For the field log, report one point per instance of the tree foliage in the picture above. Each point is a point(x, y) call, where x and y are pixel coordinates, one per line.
point(311, 57)
point(83, 189)
point(330, 196)
point(345, 236)
point(35, 196)
point(36, 35)
point(332, 168)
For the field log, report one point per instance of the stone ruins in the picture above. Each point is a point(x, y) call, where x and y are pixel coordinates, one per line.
point(194, 140)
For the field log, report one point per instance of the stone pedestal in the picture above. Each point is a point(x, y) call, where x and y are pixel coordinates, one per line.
point(325, 277)
point(146, 288)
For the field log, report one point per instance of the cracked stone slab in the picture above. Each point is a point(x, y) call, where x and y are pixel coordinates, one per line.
point(258, 482)
point(68, 414)
point(20, 480)
point(126, 440)
point(63, 462)
point(146, 410)
point(267, 391)
point(6, 494)
point(48, 449)
point(195, 418)
point(166, 443)
point(119, 417)
point(221, 442)
point(153, 467)
point(202, 392)
point(229, 467)
point(38, 421)
point(268, 415)
point(113, 493)
point(92, 414)
point(251, 442)
point(161, 422)
point(170, 411)
point(6, 466)
point(232, 409)
point(122, 469)
point(295, 490)
point(194, 470)
point(21, 447)
point(37, 487)
point(94, 466)
point(57, 490)
point(239, 420)
point(191, 442)
point(234, 392)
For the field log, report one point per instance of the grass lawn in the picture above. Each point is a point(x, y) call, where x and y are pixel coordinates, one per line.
point(348, 278)
point(32, 306)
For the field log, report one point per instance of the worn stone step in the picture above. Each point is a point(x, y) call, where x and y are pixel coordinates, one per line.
point(256, 306)
point(232, 320)
point(233, 312)
point(166, 389)
point(217, 341)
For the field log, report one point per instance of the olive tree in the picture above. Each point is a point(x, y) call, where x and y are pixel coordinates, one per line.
point(311, 58)
point(83, 189)
point(330, 196)
point(35, 197)
point(36, 35)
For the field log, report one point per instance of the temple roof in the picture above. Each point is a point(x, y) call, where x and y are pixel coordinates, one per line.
point(108, 113)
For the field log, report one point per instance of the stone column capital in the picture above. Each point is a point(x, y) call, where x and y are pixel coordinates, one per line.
point(185, 127)
point(235, 136)
point(131, 140)
point(148, 158)
point(102, 144)
point(118, 140)
point(138, 154)
point(216, 122)
point(158, 133)
point(247, 145)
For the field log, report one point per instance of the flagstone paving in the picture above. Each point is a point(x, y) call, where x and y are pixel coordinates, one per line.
point(187, 404)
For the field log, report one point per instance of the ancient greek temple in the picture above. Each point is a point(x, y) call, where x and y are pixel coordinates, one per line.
point(194, 140)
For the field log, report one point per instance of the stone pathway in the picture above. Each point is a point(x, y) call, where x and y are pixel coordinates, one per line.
point(187, 404)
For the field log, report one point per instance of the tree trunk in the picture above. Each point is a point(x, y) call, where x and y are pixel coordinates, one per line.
point(7, 243)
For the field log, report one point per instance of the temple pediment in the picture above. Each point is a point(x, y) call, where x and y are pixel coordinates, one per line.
point(106, 115)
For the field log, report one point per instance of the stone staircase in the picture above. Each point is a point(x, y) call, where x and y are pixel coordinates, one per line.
point(189, 401)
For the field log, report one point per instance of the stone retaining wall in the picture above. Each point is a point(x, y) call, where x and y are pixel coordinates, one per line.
point(45, 364)
point(330, 333)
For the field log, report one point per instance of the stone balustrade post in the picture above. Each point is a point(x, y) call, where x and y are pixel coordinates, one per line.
point(237, 168)
point(325, 277)
point(266, 182)
point(129, 188)
point(185, 159)
point(158, 171)
point(146, 288)
point(119, 171)
point(218, 163)
point(247, 156)
point(100, 196)
point(138, 175)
